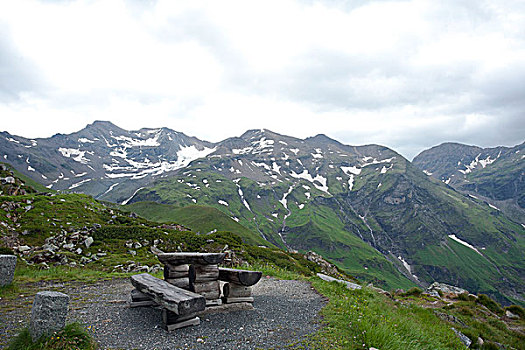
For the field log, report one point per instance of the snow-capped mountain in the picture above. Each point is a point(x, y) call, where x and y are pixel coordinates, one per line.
point(495, 175)
point(102, 159)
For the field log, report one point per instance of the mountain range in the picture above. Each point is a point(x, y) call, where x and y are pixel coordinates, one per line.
point(454, 214)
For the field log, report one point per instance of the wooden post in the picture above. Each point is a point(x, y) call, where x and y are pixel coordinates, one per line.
point(183, 282)
point(210, 289)
point(232, 290)
point(203, 273)
point(175, 271)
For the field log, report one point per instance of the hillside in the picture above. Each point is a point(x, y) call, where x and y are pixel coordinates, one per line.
point(494, 175)
point(198, 218)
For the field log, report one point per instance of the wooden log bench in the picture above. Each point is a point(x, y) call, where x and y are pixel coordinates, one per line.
point(180, 306)
point(238, 286)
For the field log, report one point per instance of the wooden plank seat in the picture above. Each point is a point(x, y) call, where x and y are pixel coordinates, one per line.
point(238, 287)
point(191, 258)
point(240, 277)
point(180, 305)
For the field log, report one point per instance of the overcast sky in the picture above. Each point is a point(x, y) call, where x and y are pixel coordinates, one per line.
point(404, 74)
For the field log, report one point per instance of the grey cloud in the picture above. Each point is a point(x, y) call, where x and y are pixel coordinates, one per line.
point(17, 74)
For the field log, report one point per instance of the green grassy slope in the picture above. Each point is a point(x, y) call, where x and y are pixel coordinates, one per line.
point(196, 217)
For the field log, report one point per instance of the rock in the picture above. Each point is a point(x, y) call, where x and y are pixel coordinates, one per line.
point(326, 267)
point(446, 289)
point(88, 242)
point(9, 180)
point(48, 314)
point(156, 250)
point(49, 247)
point(24, 248)
point(137, 245)
point(132, 252)
point(511, 315)
point(69, 246)
point(434, 294)
point(464, 339)
point(7, 269)
point(78, 251)
point(480, 341)
point(349, 285)
point(449, 318)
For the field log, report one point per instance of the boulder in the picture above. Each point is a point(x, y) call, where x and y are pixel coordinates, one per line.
point(7, 269)
point(464, 339)
point(446, 288)
point(88, 242)
point(48, 313)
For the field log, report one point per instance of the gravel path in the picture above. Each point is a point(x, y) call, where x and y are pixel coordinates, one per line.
point(285, 312)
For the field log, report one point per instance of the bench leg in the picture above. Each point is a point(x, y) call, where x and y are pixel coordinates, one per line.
point(173, 321)
point(139, 299)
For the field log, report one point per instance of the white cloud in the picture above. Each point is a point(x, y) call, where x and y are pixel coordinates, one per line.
point(406, 74)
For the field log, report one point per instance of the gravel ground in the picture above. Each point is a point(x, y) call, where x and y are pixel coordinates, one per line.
point(285, 312)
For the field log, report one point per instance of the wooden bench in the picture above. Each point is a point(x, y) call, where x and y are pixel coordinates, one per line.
point(238, 288)
point(180, 306)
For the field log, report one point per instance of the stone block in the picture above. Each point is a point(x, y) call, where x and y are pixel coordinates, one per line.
point(48, 313)
point(7, 269)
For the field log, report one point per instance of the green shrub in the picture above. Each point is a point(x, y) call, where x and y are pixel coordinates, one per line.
point(73, 336)
point(517, 310)
point(415, 291)
point(488, 345)
point(6, 251)
point(490, 304)
point(463, 296)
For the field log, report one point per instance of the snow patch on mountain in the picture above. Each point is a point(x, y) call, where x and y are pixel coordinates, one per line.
point(349, 170)
point(133, 195)
point(111, 188)
point(76, 154)
point(405, 264)
point(493, 207)
point(241, 194)
point(283, 200)
point(453, 237)
point(75, 185)
point(476, 161)
point(318, 181)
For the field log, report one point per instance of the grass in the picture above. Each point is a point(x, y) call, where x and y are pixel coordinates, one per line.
point(198, 218)
point(73, 336)
point(361, 319)
point(26, 278)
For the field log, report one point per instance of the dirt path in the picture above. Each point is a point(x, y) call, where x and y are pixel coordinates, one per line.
point(285, 312)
